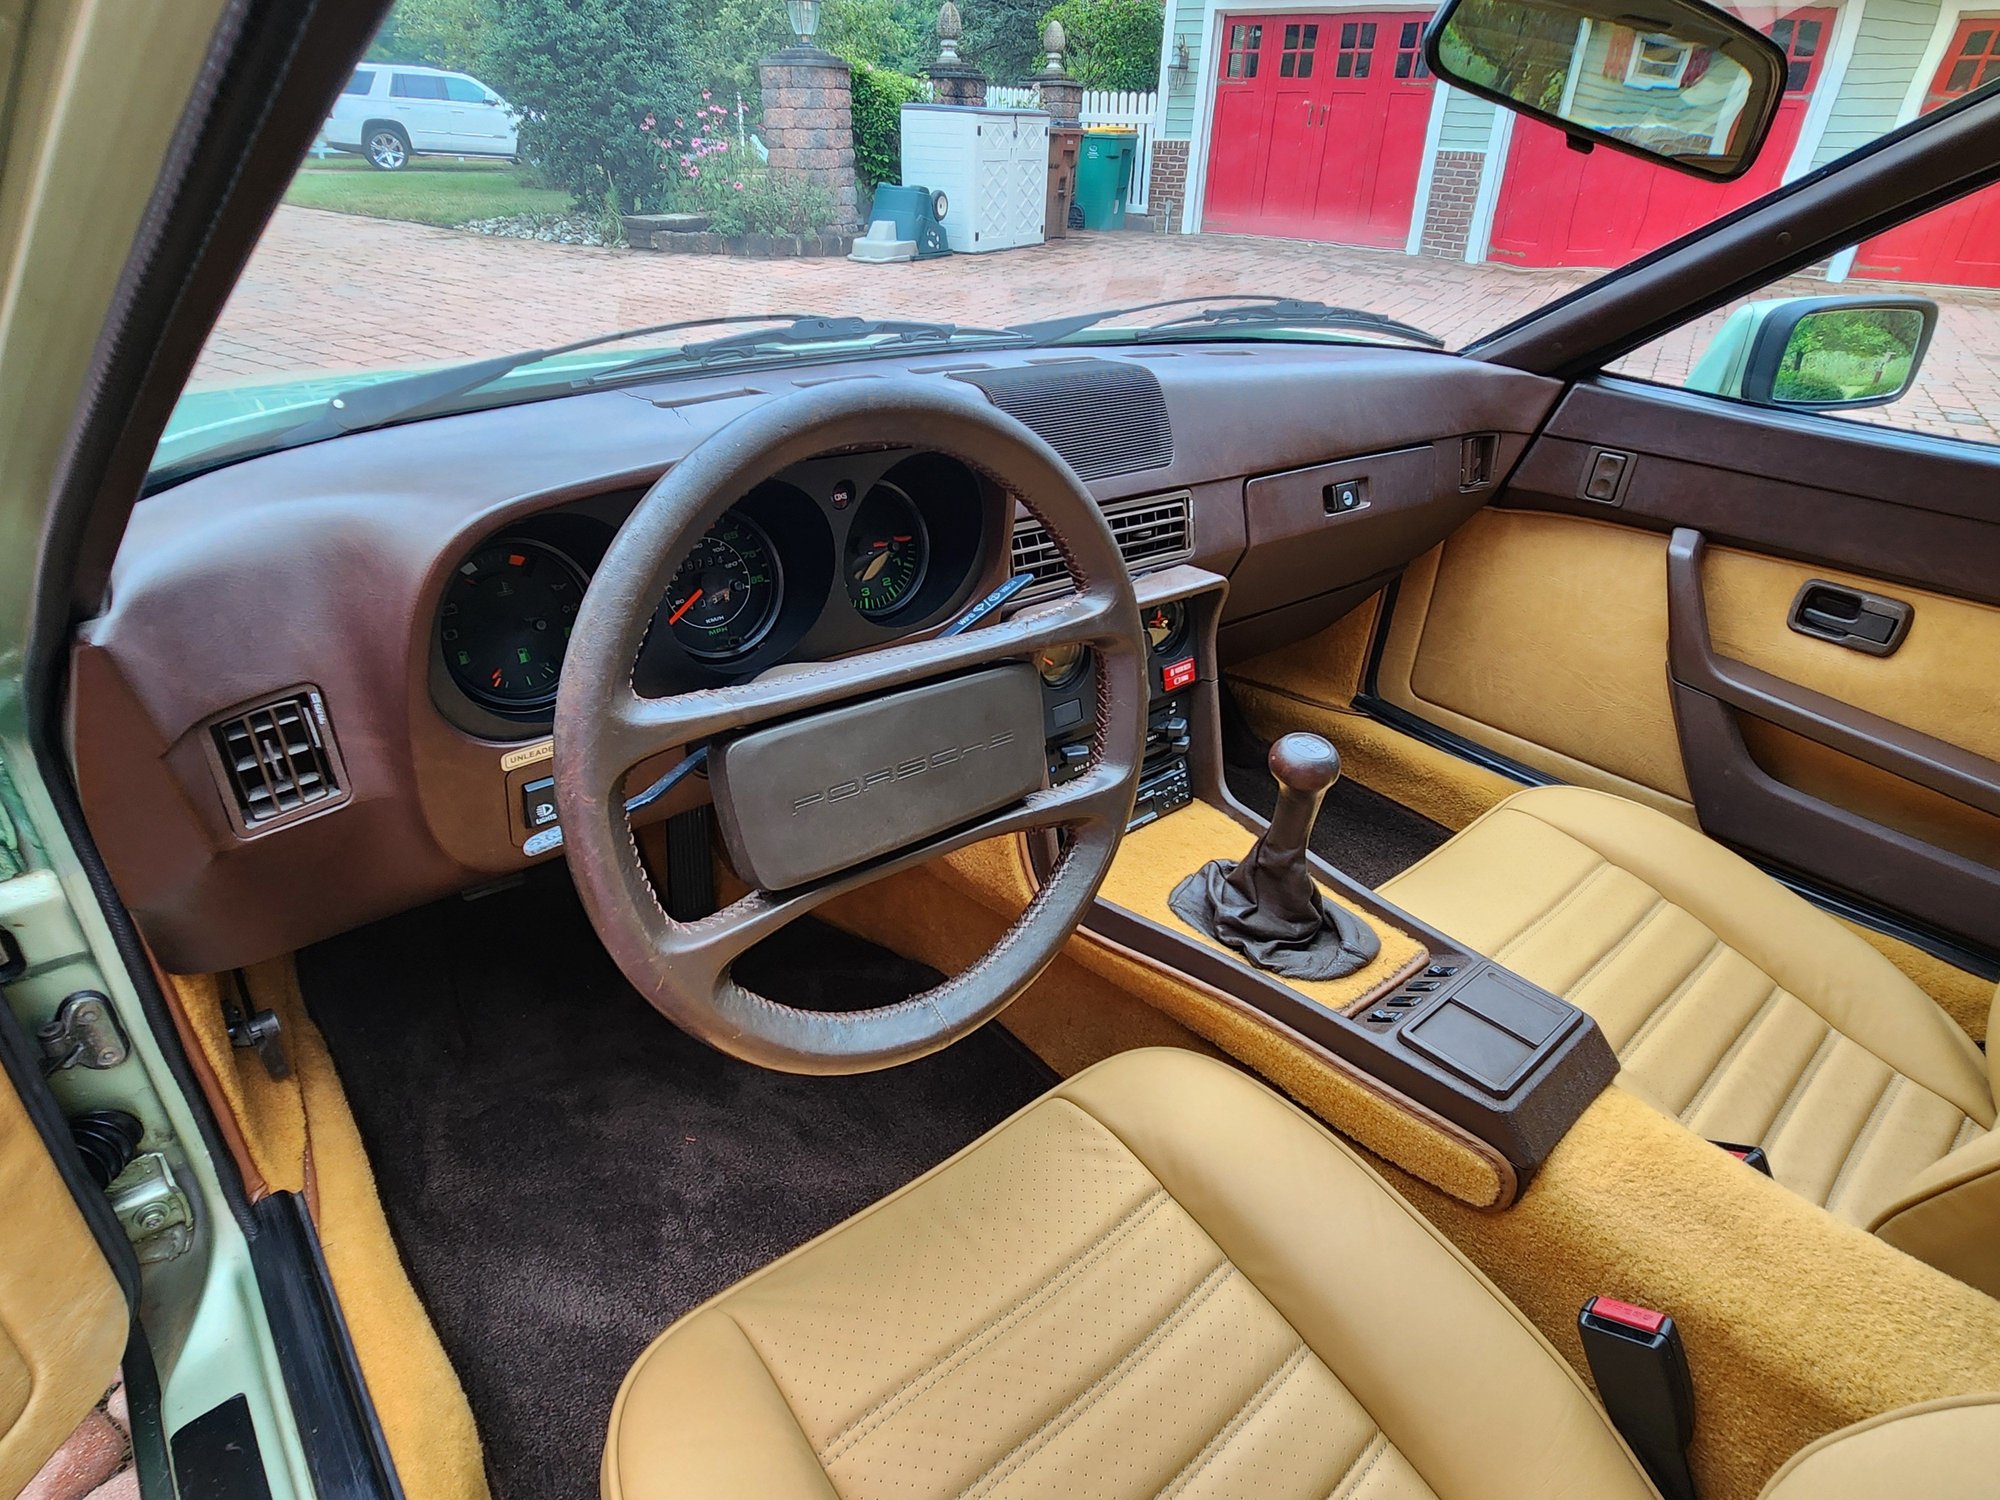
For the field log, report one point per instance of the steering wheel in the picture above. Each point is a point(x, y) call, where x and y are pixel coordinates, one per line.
point(831, 776)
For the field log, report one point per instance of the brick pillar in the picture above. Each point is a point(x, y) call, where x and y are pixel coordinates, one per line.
point(956, 83)
point(1062, 98)
point(1168, 190)
point(809, 123)
point(1448, 214)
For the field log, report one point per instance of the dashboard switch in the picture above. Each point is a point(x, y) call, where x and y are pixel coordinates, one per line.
point(538, 802)
point(1178, 674)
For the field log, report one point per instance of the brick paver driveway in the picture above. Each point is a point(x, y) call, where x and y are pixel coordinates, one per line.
point(332, 292)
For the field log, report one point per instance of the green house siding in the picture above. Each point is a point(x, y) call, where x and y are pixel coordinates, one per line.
point(1887, 51)
point(1183, 20)
point(1468, 123)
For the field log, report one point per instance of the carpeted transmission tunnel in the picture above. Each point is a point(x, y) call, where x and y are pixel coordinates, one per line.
point(566, 1173)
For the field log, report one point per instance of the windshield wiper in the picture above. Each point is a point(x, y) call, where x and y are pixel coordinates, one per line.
point(805, 333)
point(1262, 311)
point(385, 401)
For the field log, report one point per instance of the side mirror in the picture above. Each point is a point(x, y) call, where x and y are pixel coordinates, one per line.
point(1677, 82)
point(1819, 353)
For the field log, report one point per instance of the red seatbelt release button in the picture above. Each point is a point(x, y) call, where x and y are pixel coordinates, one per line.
point(1612, 1310)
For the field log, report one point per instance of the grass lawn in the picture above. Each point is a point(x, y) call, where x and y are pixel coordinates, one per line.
point(430, 190)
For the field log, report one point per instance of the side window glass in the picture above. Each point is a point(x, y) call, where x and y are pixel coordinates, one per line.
point(1902, 330)
point(362, 81)
point(464, 91)
point(416, 86)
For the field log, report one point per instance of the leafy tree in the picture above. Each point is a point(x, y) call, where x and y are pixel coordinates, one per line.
point(591, 76)
point(1004, 37)
point(442, 33)
point(1113, 44)
point(727, 38)
point(879, 97)
point(897, 34)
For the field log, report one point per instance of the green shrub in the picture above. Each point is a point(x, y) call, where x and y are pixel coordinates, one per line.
point(740, 196)
point(589, 74)
point(879, 97)
point(1113, 44)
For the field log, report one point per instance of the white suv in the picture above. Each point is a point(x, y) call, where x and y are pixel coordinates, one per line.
point(389, 113)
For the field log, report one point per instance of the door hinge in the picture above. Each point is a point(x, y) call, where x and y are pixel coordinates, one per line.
point(157, 1216)
point(83, 1034)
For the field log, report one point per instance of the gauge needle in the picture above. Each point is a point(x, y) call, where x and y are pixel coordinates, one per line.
point(686, 605)
point(880, 562)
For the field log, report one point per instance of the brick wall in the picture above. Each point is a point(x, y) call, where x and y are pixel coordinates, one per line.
point(1448, 214)
point(1168, 189)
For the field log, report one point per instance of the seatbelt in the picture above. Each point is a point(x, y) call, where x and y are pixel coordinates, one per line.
point(1642, 1378)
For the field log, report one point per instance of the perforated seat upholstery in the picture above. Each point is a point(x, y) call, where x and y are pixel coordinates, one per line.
point(1738, 1008)
point(1160, 1279)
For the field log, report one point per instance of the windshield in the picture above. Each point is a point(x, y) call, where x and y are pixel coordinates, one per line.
point(575, 195)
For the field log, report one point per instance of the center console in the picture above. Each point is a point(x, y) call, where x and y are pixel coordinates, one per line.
point(1485, 1060)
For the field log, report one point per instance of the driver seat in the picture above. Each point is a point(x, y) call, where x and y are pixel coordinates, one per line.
point(1158, 1279)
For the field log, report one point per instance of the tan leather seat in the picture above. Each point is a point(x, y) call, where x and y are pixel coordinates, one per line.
point(1941, 1450)
point(1159, 1279)
point(1738, 1008)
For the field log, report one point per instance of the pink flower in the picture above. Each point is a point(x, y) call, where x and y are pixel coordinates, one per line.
point(648, 125)
point(694, 171)
point(705, 96)
point(739, 187)
point(678, 124)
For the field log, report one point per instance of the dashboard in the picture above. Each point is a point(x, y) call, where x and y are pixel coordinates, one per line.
point(320, 690)
point(827, 558)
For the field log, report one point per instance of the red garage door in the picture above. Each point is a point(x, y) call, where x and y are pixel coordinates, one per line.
point(1560, 207)
point(1958, 244)
point(1319, 126)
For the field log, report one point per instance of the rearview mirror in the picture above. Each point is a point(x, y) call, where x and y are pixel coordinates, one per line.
point(1819, 353)
point(1674, 81)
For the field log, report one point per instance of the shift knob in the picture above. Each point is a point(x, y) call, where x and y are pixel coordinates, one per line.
point(1305, 763)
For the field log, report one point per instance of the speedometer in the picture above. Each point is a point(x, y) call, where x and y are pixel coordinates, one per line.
point(724, 598)
point(506, 621)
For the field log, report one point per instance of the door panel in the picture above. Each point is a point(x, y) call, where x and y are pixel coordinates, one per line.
point(1648, 647)
point(62, 1315)
point(1542, 637)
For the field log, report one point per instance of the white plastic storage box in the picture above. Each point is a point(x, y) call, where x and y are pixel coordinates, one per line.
point(992, 165)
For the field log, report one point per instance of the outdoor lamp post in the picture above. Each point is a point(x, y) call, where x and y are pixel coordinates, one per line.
point(805, 19)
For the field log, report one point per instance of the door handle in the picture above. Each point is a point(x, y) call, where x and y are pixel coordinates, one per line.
point(1850, 617)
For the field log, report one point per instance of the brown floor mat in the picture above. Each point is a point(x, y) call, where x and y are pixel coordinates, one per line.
point(566, 1173)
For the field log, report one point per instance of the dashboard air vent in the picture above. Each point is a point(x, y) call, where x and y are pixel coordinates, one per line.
point(1152, 532)
point(278, 761)
point(1103, 417)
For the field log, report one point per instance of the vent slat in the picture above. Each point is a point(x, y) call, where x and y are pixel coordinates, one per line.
point(1103, 417)
point(1151, 533)
point(275, 761)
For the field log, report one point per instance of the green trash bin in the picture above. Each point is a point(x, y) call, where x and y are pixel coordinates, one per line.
point(1104, 175)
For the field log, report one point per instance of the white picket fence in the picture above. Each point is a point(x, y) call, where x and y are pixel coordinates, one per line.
point(1140, 111)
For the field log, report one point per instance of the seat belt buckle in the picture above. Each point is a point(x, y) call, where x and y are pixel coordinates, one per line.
point(1642, 1378)
point(1750, 1156)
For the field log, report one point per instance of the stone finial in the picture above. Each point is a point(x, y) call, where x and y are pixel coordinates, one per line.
point(1055, 41)
point(950, 27)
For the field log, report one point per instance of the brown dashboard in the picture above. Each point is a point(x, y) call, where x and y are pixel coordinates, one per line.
point(287, 722)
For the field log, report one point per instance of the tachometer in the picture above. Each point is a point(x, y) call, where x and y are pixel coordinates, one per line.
point(725, 596)
point(506, 622)
point(888, 551)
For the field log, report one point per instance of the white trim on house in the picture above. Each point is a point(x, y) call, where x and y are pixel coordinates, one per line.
point(1950, 14)
point(1427, 167)
point(1201, 136)
point(1826, 90)
point(1479, 237)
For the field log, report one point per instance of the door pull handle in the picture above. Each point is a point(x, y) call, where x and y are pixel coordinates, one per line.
point(1850, 617)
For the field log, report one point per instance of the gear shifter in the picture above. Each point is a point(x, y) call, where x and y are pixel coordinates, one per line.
point(1266, 906)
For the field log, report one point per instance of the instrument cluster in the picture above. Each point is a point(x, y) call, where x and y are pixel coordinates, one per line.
point(834, 555)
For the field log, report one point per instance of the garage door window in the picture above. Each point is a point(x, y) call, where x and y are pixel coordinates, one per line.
point(1410, 52)
point(1357, 47)
point(1300, 43)
point(1245, 42)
